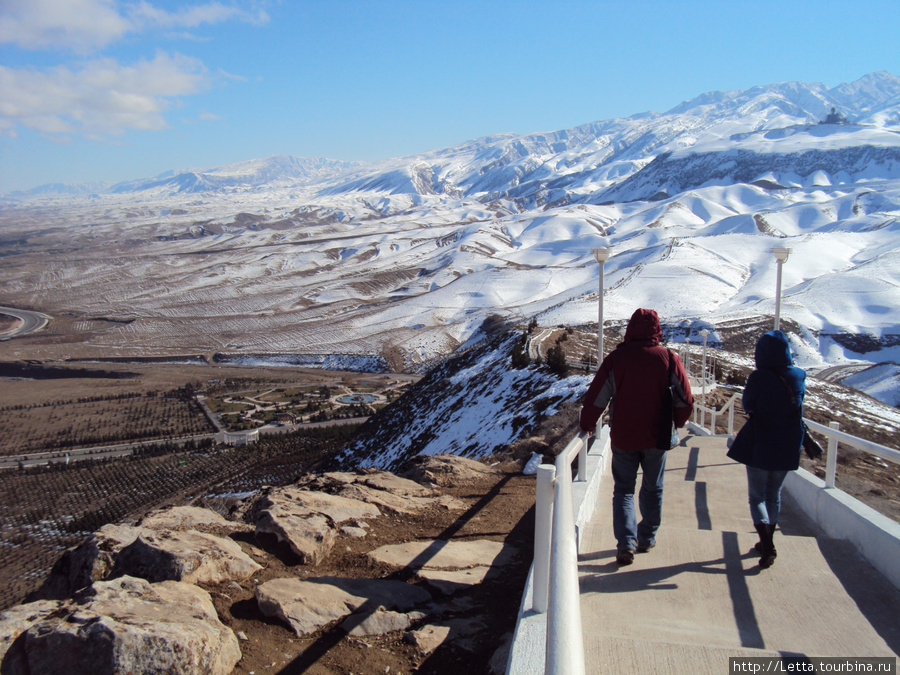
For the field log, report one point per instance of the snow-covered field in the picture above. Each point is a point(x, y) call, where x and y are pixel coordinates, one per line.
point(404, 259)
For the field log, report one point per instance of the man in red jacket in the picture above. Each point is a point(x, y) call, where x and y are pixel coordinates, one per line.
point(631, 382)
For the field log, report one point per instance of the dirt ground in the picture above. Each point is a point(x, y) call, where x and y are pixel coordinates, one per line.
point(498, 508)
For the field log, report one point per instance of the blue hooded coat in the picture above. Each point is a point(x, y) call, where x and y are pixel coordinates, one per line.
point(773, 397)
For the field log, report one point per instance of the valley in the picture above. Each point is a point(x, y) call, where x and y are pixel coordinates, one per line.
point(266, 291)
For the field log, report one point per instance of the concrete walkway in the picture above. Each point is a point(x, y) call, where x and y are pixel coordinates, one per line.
point(699, 597)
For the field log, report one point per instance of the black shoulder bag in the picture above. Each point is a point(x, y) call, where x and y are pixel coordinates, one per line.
point(667, 434)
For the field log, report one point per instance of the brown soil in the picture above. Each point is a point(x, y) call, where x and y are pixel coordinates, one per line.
point(498, 508)
point(7, 322)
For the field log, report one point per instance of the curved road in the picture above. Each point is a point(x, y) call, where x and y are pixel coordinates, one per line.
point(30, 322)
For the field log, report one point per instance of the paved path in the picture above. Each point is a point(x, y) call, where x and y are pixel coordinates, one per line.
point(699, 596)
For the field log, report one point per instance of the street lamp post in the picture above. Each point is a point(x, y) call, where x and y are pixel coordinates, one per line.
point(705, 334)
point(781, 254)
point(600, 255)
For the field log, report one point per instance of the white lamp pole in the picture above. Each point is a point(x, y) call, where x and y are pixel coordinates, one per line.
point(687, 355)
point(600, 255)
point(781, 254)
point(705, 334)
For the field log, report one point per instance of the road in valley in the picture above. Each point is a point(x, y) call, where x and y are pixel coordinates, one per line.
point(30, 322)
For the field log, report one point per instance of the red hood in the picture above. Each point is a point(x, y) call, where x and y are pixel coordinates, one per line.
point(643, 326)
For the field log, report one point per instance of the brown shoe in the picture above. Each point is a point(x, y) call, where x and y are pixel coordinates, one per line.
point(625, 556)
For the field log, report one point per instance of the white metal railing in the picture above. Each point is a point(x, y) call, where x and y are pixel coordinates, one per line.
point(834, 435)
point(556, 590)
point(701, 411)
point(832, 432)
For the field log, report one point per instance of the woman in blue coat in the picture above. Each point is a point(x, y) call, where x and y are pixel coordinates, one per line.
point(771, 444)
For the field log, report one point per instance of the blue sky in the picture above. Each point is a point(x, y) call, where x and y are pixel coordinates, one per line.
point(109, 90)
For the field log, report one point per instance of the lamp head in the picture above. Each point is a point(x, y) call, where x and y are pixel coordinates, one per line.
point(601, 253)
point(781, 253)
point(704, 333)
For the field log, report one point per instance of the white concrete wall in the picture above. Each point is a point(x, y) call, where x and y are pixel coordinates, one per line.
point(875, 536)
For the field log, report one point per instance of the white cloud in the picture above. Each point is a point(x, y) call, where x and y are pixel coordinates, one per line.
point(99, 98)
point(145, 15)
point(86, 26)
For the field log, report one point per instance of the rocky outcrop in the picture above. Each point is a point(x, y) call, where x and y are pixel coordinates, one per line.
point(92, 561)
point(446, 470)
point(191, 556)
point(307, 520)
point(127, 599)
point(126, 625)
point(310, 515)
point(308, 604)
point(162, 547)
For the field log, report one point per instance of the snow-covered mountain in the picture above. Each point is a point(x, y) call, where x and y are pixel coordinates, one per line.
point(404, 258)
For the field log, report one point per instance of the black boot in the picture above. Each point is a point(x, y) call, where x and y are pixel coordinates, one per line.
point(765, 546)
point(762, 531)
point(772, 553)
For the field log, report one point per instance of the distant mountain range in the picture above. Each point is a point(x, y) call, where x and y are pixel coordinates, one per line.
point(404, 258)
point(547, 167)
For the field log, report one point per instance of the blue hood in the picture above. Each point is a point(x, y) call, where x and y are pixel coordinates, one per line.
point(773, 351)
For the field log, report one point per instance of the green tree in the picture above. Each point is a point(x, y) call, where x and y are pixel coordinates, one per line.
point(556, 360)
point(520, 358)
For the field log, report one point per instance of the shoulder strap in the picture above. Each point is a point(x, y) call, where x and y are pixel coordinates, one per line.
point(789, 390)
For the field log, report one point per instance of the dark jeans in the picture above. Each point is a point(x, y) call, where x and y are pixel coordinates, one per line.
point(764, 492)
point(625, 466)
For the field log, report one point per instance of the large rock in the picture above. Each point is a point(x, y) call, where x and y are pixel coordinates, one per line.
point(91, 561)
point(306, 519)
point(310, 537)
point(306, 503)
point(460, 632)
point(95, 559)
point(379, 622)
point(397, 504)
point(188, 517)
point(308, 604)
point(123, 626)
point(403, 487)
point(15, 621)
point(448, 582)
point(446, 470)
point(186, 555)
point(442, 554)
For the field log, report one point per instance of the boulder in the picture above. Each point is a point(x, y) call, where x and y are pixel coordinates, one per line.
point(305, 503)
point(311, 537)
point(402, 487)
point(91, 561)
point(443, 554)
point(188, 517)
point(186, 555)
point(379, 622)
point(446, 470)
point(15, 621)
point(397, 504)
point(460, 632)
point(308, 604)
point(123, 626)
point(447, 582)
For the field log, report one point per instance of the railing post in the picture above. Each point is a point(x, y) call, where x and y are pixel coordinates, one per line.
point(564, 647)
point(831, 457)
point(581, 476)
point(543, 519)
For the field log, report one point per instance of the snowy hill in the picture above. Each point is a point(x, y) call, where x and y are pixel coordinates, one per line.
point(402, 260)
point(472, 406)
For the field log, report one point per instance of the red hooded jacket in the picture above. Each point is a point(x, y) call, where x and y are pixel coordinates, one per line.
point(631, 381)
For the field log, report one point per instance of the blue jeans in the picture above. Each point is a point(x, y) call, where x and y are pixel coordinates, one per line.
point(625, 465)
point(764, 492)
